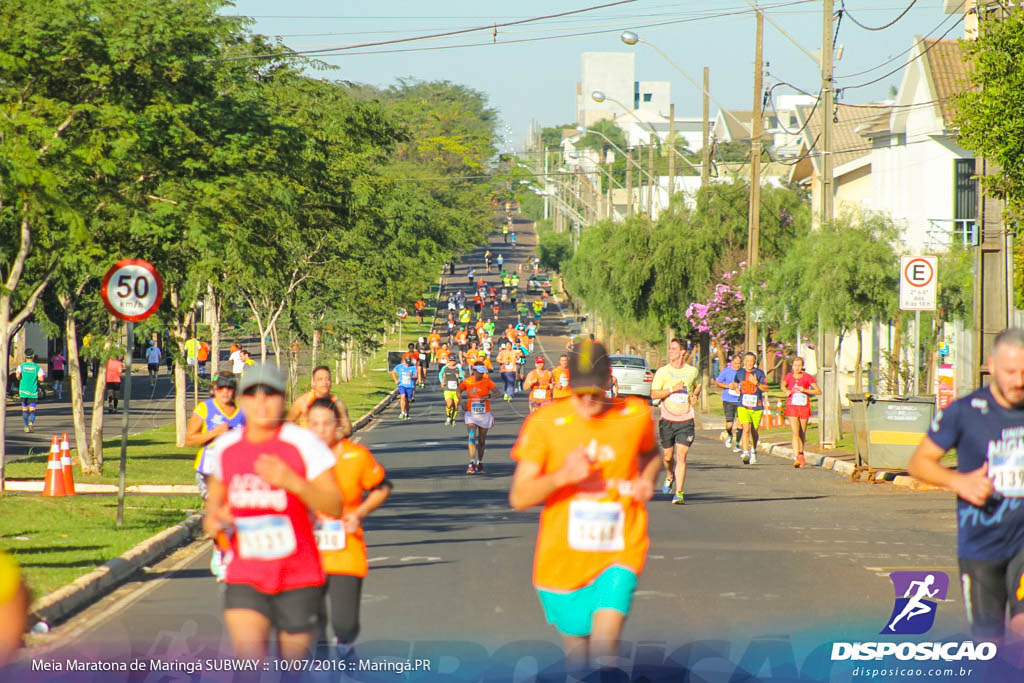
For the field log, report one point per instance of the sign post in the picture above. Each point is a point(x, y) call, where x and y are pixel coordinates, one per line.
point(918, 284)
point(132, 291)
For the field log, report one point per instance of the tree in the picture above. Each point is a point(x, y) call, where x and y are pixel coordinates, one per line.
point(594, 141)
point(552, 136)
point(990, 115)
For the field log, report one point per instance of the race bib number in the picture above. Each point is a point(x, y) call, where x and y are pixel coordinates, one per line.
point(453, 384)
point(1007, 472)
point(540, 394)
point(478, 407)
point(563, 382)
point(732, 393)
point(798, 399)
point(265, 537)
point(329, 534)
point(596, 526)
point(680, 398)
point(748, 400)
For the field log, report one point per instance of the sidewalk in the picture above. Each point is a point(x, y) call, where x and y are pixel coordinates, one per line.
point(843, 464)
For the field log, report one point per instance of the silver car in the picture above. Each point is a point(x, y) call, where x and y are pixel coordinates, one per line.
point(632, 374)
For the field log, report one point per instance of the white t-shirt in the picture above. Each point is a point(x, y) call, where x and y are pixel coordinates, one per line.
point(315, 454)
point(236, 362)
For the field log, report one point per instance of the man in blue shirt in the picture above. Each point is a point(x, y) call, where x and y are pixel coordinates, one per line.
point(730, 398)
point(405, 375)
point(986, 428)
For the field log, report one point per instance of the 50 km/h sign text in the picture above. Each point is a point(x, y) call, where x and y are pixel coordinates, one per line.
point(132, 290)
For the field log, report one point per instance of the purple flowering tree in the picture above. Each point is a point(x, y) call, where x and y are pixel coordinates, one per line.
point(722, 317)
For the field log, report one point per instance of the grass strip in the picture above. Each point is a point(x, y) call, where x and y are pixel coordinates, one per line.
point(56, 540)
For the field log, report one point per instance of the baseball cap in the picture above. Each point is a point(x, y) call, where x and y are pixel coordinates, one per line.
point(480, 368)
point(589, 366)
point(540, 360)
point(29, 353)
point(265, 374)
point(225, 379)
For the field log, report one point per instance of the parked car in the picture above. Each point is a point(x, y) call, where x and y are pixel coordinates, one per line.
point(537, 282)
point(633, 375)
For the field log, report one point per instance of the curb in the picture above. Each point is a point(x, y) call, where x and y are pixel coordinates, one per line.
point(55, 606)
point(60, 603)
point(842, 467)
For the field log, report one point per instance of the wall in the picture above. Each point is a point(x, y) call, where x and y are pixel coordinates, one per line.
point(613, 74)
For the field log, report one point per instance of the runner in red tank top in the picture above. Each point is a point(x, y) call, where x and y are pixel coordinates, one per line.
point(266, 481)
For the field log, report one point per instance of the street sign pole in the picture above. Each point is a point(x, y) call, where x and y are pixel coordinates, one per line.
point(130, 333)
point(132, 291)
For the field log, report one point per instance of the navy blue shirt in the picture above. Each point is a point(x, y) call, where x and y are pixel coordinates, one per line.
point(983, 431)
point(728, 376)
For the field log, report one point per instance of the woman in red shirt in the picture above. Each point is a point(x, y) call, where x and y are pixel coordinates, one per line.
point(799, 386)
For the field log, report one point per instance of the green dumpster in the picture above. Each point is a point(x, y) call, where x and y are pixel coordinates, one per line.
point(887, 429)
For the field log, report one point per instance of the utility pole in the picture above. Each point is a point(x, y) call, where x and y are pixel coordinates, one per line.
point(754, 213)
point(705, 176)
point(629, 183)
point(651, 177)
point(828, 363)
point(671, 150)
point(547, 187)
point(705, 166)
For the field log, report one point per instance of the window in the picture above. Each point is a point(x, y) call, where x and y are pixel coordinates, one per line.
point(647, 97)
point(965, 202)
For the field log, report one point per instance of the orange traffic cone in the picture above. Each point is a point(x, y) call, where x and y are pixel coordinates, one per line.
point(780, 413)
point(54, 484)
point(65, 465)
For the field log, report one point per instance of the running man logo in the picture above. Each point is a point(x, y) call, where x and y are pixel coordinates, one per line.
point(916, 596)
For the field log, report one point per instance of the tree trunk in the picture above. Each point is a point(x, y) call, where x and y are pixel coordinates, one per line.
point(215, 307)
point(895, 380)
point(179, 332)
point(96, 428)
point(858, 373)
point(838, 424)
point(316, 347)
point(76, 386)
point(275, 340)
point(293, 368)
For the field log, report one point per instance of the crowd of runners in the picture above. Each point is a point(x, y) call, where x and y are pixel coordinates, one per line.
point(286, 490)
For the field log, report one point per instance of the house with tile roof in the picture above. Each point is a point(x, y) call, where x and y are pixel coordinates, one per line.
point(920, 175)
point(851, 170)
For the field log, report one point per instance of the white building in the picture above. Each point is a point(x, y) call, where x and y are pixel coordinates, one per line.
point(614, 74)
point(920, 175)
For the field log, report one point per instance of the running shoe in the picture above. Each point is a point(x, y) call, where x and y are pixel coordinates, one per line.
point(728, 442)
point(479, 467)
point(737, 449)
point(678, 499)
point(471, 469)
point(753, 457)
point(668, 485)
point(745, 457)
point(801, 460)
point(26, 429)
point(31, 427)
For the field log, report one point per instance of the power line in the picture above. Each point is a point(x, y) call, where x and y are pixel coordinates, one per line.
point(909, 62)
point(494, 27)
point(893, 59)
point(845, 11)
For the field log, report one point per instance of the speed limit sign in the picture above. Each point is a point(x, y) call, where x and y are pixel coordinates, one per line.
point(132, 290)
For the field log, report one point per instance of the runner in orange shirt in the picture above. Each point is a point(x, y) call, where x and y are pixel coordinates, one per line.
point(419, 306)
point(479, 419)
point(591, 461)
point(538, 385)
point(364, 487)
point(320, 387)
point(560, 378)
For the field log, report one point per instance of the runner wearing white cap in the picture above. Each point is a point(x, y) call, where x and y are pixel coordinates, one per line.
point(478, 389)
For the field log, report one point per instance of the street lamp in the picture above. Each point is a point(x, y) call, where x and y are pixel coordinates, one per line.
point(599, 96)
point(576, 155)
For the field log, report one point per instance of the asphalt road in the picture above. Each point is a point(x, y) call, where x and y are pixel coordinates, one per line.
point(764, 558)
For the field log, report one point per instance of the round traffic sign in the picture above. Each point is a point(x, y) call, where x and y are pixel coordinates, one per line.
point(402, 313)
point(132, 290)
point(918, 272)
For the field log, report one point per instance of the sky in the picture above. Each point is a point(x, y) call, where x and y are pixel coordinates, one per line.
point(536, 77)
